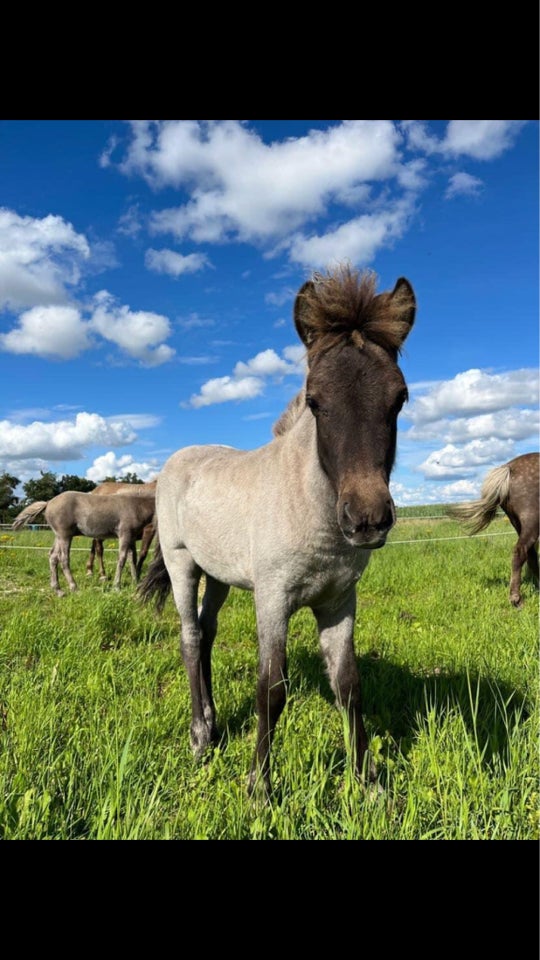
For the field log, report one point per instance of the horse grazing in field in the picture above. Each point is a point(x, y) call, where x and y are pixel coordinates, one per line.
point(296, 520)
point(109, 488)
point(72, 514)
point(515, 487)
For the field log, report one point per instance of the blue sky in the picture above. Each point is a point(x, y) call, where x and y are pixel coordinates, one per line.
point(148, 271)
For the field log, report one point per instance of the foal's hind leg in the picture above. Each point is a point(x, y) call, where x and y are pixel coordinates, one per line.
point(214, 597)
point(336, 638)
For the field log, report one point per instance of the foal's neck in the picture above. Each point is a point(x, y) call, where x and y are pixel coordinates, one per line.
point(299, 446)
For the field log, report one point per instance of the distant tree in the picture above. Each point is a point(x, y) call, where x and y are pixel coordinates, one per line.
point(131, 478)
point(44, 488)
point(111, 479)
point(8, 500)
point(71, 482)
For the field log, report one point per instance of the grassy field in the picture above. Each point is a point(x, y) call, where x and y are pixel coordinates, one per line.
point(95, 711)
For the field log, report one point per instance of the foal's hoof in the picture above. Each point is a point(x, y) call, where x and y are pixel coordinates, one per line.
point(59, 593)
point(258, 786)
point(516, 602)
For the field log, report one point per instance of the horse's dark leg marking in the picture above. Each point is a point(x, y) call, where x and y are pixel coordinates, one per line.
point(336, 627)
point(271, 686)
point(532, 561)
point(214, 597)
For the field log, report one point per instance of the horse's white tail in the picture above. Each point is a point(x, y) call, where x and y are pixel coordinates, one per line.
point(479, 513)
point(29, 513)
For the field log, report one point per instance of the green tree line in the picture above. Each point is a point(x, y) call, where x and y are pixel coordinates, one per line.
point(45, 487)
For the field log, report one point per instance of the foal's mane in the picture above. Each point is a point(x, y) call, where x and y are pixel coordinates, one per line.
point(290, 415)
point(343, 304)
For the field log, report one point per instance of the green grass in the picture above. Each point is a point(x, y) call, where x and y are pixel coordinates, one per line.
point(95, 709)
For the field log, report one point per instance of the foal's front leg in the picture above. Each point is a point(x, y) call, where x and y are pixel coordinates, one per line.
point(336, 629)
point(272, 624)
point(185, 575)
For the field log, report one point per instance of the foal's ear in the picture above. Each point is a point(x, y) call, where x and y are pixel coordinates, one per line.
point(303, 327)
point(403, 303)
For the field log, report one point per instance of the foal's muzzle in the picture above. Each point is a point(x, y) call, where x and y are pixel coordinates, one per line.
point(364, 524)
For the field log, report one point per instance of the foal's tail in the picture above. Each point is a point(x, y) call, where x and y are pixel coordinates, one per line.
point(479, 513)
point(29, 513)
point(157, 583)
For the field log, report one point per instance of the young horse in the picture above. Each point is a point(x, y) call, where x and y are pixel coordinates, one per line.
point(296, 520)
point(110, 487)
point(72, 514)
point(515, 487)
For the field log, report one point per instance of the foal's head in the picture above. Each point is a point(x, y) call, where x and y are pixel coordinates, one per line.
point(355, 391)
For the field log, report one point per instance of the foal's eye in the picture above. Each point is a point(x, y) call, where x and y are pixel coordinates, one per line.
point(312, 403)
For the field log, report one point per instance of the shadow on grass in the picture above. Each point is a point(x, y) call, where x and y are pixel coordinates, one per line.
point(396, 701)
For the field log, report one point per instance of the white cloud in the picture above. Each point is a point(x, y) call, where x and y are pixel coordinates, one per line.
point(510, 424)
point(175, 264)
point(223, 389)
point(246, 189)
point(452, 462)
point(265, 364)
point(475, 392)
point(357, 241)
point(138, 421)
point(137, 333)
point(463, 184)
point(479, 139)
point(193, 321)
point(247, 380)
point(109, 465)
point(48, 331)
point(130, 224)
point(460, 490)
point(63, 440)
point(39, 258)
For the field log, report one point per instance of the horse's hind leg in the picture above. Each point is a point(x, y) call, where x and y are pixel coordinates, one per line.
point(126, 546)
point(519, 557)
point(215, 595)
point(91, 558)
point(53, 566)
point(336, 628)
point(60, 554)
point(147, 537)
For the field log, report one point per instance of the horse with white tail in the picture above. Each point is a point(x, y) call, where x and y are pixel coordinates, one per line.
point(295, 521)
point(515, 488)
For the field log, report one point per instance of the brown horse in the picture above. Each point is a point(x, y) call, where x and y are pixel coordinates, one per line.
point(295, 521)
point(72, 514)
point(514, 487)
point(109, 488)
